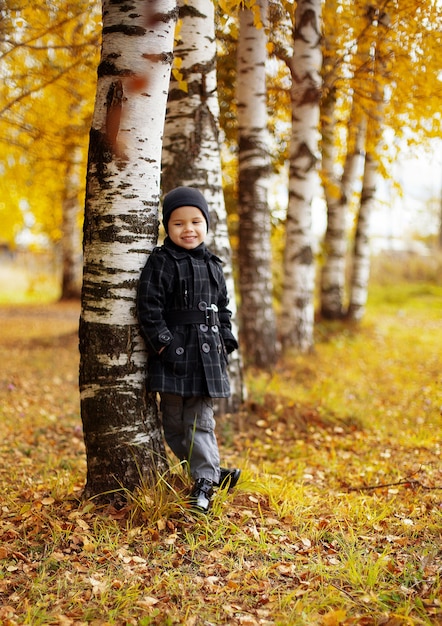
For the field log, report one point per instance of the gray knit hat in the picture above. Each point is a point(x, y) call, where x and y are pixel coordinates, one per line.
point(184, 196)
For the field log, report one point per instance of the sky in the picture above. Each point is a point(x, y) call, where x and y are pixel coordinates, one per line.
point(399, 219)
point(417, 212)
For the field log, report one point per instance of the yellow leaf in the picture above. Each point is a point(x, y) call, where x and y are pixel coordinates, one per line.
point(178, 27)
point(88, 546)
point(334, 618)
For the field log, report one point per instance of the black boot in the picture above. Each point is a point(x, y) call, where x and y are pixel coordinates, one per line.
point(228, 477)
point(200, 495)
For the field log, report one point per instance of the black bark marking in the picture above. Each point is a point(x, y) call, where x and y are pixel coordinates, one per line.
point(100, 153)
point(130, 31)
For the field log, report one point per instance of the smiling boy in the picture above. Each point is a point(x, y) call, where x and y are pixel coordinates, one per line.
point(184, 319)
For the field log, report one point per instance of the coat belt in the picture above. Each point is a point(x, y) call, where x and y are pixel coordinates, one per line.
point(191, 316)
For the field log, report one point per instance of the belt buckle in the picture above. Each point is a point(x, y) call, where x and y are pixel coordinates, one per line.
point(211, 312)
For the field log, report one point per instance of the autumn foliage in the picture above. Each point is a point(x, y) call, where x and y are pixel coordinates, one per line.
point(337, 519)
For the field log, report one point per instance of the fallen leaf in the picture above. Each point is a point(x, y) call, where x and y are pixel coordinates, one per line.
point(333, 618)
point(83, 525)
point(4, 552)
point(147, 602)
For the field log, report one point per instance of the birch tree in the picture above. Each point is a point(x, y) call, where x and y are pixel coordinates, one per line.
point(297, 318)
point(360, 271)
point(258, 327)
point(71, 240)
point(121, 431)
point(342, 159)
point(191, 147)
point(406, 45)
point(375, 119)
point(338, 192)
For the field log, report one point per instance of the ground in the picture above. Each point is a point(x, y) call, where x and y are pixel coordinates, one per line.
point(336, 520)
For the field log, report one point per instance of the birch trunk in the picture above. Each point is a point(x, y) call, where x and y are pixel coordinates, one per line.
point(338, 193)
point(361, 258)
point(335, 241)
point(121, 431)
point(339, 187)
point(191, 148)
point(258, 328)
point(70, 241)
point(375, 107)
point(361, 251)
point(297, 319)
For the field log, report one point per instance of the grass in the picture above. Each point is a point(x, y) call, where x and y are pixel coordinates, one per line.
point(337, 518)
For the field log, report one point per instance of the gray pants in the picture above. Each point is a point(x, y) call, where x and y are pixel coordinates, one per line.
point(189, 430)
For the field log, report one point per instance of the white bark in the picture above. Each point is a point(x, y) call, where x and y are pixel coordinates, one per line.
point(123, 440)
point(191, 147)
point(297, 319)
point(361, 259)
point(374, 106)
point(191, 150)
point(258, 327)
point(361, 253)
point(338, 194)
point(127, 188)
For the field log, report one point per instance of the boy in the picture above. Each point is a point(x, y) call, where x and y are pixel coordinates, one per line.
point(185, 322)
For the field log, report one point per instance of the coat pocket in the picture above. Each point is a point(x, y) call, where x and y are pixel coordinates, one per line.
point(174, 357)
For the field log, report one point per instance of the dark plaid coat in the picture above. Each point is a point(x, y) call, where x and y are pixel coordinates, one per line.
point(194, 361)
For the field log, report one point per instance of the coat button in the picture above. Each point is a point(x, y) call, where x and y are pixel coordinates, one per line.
point(204, 328)
point(202, 305)
point(165, 337)
point(215, 329)
point(205, 348)
point(179, 351)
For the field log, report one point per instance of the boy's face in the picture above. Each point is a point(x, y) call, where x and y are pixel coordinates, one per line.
point(187, 227)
